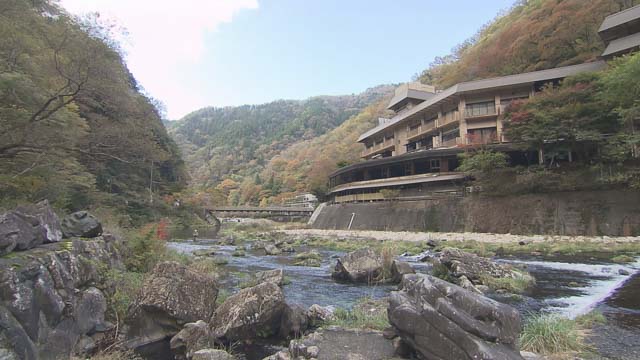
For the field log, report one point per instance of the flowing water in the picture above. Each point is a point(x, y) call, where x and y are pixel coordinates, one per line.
point(569, 287)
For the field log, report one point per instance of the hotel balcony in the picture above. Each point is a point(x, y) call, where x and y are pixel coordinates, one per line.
point(377, 148)
point(451, 117)
point(481, 112)
point(452, 142)
point(421, 130)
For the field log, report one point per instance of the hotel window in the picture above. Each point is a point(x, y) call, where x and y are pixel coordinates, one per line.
point(481, 109)
point(389, 137)
point(435, 164)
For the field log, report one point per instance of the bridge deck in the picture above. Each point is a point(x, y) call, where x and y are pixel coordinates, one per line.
point(271, 209)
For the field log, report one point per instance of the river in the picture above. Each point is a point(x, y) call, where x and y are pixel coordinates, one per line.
point(566, 286)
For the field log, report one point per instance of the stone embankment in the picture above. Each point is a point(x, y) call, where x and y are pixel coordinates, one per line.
point(448, 236)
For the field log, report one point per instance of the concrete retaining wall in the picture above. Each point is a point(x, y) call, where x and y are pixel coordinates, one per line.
point(611, 213)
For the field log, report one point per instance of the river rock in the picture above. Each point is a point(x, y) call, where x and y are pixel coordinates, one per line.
point(271, 249)
point(361, 266)
point(250, 313)
point(20, 231)
point(193, 337)
point(212, 354)
point(81, 224)
point(317, 313)
point(336, 343)
point(294, 321)
point(440, 320)
point(275, 276)
point(171, 297)
point(48, 220)
point(472, 266)
point(400, 268)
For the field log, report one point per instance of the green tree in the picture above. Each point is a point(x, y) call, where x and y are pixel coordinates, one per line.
point(483, 161)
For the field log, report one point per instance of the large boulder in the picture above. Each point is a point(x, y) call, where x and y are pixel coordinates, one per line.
point(81, 224)
point(19, 231)
point(48, 220)
point(361, 266)
point(443, 321)
point(250, 313)
point(171, 297)
point(193, 337)
point(472, 266)
point(473, 272)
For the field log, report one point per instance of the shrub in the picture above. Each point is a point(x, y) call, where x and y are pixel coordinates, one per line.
point(126, 285)
point(588, 320)
point(517, 284)
point(483, 161)
point(366, 314)
point(550, 334)
point(621, 259)
point(390, 193)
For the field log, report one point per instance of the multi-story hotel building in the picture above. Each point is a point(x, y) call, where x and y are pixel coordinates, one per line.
point(416, 150)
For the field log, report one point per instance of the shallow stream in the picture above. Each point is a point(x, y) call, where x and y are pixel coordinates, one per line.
point(568, 286)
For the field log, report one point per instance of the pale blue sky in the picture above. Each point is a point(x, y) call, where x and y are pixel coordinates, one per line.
point(232, 52)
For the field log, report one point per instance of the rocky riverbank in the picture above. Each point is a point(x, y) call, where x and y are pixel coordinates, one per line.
point(457, 237)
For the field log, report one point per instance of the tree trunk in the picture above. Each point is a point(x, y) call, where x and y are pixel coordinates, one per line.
point(541, 155)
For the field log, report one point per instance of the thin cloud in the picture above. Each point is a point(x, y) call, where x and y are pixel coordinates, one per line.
point(165, 36)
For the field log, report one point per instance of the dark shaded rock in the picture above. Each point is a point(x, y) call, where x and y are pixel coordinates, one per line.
point(623, 272)
point(204, 252)
point(193, 337)
point(294, 321)
point(19, 232)
point(89, 312)
point(16, 341)
point(275, 276)
point(251, 312)
point(390, 333)
point(81, 224)
point(401, 348)
point(171, 297)
point(400, 268)
point(361, 266)
point(441, 320)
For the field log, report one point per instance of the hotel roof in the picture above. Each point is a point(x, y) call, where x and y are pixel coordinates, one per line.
point(620, 46)
point(414, 90)
point(487, 84)
point(620, 18)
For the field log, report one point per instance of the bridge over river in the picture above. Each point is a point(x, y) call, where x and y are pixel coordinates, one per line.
point(276, 213)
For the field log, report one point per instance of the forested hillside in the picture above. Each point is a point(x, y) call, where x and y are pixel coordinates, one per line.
point(532, 35)
point(75, 126)
point(228, 148)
